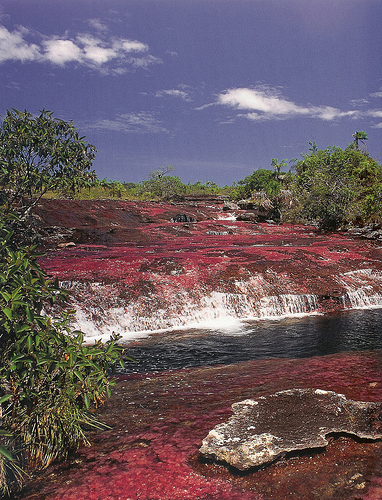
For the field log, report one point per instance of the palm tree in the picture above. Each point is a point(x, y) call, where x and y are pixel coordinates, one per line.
point(313, 147)
point(278, 165)
point(360, 136)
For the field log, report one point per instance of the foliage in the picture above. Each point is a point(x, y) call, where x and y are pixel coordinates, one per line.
point(38, 154)
point(48, 377)
point(261, 180)
point(359, 136)
point(336, 187)
point(161, 186)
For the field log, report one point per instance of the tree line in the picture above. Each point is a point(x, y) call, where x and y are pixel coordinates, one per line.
point(330, 188)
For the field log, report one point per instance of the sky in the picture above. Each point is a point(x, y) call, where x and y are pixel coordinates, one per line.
point(214, 88)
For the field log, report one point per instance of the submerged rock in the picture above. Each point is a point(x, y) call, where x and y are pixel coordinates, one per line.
point(264, 429)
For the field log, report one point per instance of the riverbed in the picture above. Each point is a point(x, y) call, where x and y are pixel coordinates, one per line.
point(214, 311)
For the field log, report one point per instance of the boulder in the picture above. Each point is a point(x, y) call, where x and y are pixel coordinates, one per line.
point(264, 429)
point(248, 217)
point(183, 218)
point(230, 206)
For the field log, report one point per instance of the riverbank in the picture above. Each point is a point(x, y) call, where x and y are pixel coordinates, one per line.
point(159, 420)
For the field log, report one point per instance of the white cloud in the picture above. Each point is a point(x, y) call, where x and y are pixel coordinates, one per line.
point(181, 94)
point(377, 94)
point(61, 51)
point(144, 62)
point(97, 24)
point(359, 102)
point(84, 49)
point(375, 113)
point(13, 46)
point(266, 103)
point(141, 122)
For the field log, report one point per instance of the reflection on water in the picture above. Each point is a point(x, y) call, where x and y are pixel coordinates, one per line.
point(287, 338)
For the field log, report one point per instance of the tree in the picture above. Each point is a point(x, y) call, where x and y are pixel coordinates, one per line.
point(162, 186)
point(39, 154)
point(48, 377)
point(278, 165)
point(336, 186)
point(360, 136)
point(313, 146)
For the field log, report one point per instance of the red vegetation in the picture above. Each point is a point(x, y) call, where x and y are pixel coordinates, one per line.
point(143, 262)
point(140, 259)
point(158, 423)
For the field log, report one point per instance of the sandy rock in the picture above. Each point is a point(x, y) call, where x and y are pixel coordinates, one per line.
point(264, 429)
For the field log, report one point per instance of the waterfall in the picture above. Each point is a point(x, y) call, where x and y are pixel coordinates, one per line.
point(287, 305)
point(104, 308)
point(362, 289)
point(102, 317)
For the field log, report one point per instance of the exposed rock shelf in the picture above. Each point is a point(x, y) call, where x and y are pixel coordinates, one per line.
point(132, 268)
point(263, 429)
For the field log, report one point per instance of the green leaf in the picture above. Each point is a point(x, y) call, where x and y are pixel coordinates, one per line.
point(8, 312)
point(5, 398)
point(6, 454)
point(87, 401)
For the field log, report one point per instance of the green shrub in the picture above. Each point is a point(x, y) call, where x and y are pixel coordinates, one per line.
point(48, 377)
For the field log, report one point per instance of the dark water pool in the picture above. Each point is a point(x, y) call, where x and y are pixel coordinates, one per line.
point(356, 330)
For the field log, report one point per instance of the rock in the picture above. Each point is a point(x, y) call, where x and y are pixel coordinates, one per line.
point(264, 429)
point(371, 231)
point(229, 206)
point(66, 245)
point(183, 218)
point(248, 217)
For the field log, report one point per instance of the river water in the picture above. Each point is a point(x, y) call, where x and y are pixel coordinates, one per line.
point(312, 335)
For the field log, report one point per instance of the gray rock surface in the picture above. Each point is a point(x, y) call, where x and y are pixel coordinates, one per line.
point(262, 430)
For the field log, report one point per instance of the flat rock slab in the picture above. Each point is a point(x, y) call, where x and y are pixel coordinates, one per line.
point(262, 430)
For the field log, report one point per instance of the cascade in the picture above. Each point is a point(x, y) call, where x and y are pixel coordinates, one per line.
point(102, 309)
point(362, 289)
point(138, 271)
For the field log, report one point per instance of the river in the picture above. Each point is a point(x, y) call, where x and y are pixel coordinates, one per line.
point(311, 335)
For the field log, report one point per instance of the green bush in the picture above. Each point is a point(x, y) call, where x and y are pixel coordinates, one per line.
point(39, 154)
point(48, 377)
point(336, 187)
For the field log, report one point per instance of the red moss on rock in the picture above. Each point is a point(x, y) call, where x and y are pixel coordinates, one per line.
point(158, 422)
point(183, 263)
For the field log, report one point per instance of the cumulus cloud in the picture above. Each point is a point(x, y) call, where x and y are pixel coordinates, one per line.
point(85, 49)
point(13, 46)
point(266, 103)
point(61, 51)
point(140, 122)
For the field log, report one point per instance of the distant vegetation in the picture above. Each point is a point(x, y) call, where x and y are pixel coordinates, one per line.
point(330, 188)
point(158, 187)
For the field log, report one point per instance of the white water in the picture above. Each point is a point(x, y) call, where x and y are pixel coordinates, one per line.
point(363, 289)
point(101, 311)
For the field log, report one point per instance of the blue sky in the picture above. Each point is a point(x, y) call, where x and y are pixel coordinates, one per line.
point(215, 88)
